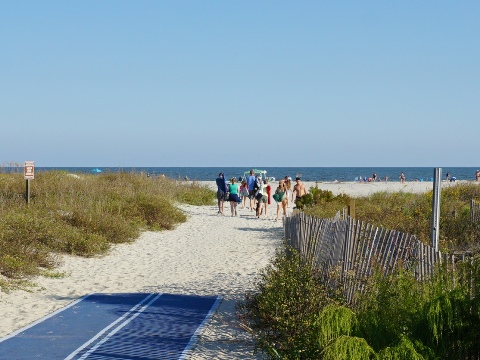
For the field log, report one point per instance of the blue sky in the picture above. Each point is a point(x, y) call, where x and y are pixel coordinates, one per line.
point(236, 83)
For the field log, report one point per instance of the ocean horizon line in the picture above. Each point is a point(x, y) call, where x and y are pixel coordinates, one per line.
point(320, 174)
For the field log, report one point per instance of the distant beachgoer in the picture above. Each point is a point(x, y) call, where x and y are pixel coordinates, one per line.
point(280, 197)
point(374, 177)
point(233, 197)
point(299, 189)
point(447, 176)
point(288, 186)
point(251, 192)
point(266, 196)
point(402, 178)
point(221, 191)
point(386, 178)
point(477, 175)
point(259, 196)
point(269, 192)
point(244, 193)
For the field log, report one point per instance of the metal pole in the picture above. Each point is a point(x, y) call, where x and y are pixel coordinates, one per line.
point(437, 189)
point(27, 192)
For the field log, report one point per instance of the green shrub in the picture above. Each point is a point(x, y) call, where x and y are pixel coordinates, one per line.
point(451, 314)
point(322, 203)
point(114, 228)
point(405, 349)
point(335, 321)
point(22, 244)
point(196, 194)
point(282, 312)
point(438, 318)
point(349, 348)
point(389, 307)
point(154, 213)
point(305, 201)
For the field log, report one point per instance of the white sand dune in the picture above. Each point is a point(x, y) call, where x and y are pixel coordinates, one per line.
point(207, 255)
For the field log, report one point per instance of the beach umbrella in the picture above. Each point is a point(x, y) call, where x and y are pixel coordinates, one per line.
point(96, 170)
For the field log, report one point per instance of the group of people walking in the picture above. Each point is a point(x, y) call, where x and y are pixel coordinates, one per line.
point(257, 192)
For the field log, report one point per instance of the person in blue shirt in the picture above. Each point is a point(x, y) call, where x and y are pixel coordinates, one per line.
point(251, 192)
point(221, 192)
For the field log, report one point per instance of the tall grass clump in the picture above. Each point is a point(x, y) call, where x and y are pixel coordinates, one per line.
point(439, 316)
point(282, 312)
point(83, 214)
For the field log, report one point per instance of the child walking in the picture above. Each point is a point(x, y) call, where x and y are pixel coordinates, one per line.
point(244, 193)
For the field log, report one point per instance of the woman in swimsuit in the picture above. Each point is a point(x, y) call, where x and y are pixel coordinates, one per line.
point(244, 193)
point(282, 201)
point(287, 182)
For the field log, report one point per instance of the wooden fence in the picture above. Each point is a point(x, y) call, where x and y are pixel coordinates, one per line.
point(475, 210)
point(354, 248)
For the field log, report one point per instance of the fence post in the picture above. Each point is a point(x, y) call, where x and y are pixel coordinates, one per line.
point(471, 209)
point(351, 208)
point(437, 189)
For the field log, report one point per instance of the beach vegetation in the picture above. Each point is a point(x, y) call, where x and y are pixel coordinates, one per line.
point(53, 274)
point(411, 213)
point(396, 317)
point(83, 214)
point(322, 203)
point(282, 311)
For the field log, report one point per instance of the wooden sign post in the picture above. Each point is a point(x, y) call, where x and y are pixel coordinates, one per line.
point(28, 174)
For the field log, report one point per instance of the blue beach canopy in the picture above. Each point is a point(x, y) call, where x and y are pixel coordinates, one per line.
point(96, 170)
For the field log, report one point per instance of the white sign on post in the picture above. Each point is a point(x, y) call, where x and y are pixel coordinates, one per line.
point(29, 170)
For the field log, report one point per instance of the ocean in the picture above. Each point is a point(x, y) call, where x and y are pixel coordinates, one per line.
point(321, 174)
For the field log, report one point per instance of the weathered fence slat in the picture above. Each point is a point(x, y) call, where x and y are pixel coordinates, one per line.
point(355, 247)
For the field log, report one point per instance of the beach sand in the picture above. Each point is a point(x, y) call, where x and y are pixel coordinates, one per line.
point(208, 255)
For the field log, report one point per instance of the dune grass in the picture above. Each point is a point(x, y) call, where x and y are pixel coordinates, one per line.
point(83, 214)
point(410, 213)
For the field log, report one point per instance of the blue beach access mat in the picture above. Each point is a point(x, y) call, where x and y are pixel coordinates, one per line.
point(138, 326)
